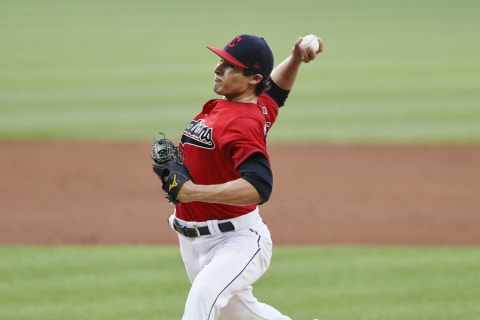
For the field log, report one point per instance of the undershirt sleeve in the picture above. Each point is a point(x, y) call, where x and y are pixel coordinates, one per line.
point(257, 171)
point(278, 94)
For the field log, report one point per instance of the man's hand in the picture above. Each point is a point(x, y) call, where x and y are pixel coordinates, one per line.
point(306, 54)
point(167, 164)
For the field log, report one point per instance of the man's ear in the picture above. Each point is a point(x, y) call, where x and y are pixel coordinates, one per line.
point(257, 78)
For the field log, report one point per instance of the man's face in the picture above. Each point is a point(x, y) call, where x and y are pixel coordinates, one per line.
point(229, 81)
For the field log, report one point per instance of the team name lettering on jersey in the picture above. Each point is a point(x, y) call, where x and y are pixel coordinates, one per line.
point(198, 134)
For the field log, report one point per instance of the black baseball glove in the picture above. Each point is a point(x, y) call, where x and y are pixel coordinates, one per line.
point(168, 165)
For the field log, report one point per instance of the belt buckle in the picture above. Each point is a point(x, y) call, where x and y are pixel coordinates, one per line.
point(197, 232)
point(190, 230)
point(192, 226)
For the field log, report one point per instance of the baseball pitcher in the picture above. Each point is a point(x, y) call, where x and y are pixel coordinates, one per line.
point(220, 173)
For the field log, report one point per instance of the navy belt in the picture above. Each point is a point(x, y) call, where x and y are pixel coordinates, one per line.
point(193, 232)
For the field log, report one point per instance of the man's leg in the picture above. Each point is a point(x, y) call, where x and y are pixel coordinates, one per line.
point(238, 262)
point(244, 305)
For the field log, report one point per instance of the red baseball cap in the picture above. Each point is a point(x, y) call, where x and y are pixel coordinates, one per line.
point(248, 52)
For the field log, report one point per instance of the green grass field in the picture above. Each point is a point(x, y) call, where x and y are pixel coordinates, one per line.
point(392, 71)
point(335, 283)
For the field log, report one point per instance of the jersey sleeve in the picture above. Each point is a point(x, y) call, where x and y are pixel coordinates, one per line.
point(269, 109)
point(244, 138)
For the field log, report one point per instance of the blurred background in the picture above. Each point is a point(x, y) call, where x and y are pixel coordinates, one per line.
point(392, 71)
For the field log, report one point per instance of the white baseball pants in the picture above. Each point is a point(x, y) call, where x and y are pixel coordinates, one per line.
point(222, 268)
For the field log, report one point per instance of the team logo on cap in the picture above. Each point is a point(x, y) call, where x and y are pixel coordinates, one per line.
point(234, 42)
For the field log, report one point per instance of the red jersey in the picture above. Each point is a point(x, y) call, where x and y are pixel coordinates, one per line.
point(217, 141)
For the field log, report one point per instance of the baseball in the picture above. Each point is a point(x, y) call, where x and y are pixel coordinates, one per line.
point(310, 41)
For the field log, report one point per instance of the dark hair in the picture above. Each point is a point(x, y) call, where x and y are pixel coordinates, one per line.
point(261, 86)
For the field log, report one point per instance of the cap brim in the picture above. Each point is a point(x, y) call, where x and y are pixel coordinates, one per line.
point(227, 56)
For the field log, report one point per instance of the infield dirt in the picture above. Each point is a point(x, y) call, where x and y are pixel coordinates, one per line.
point(106, 193)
